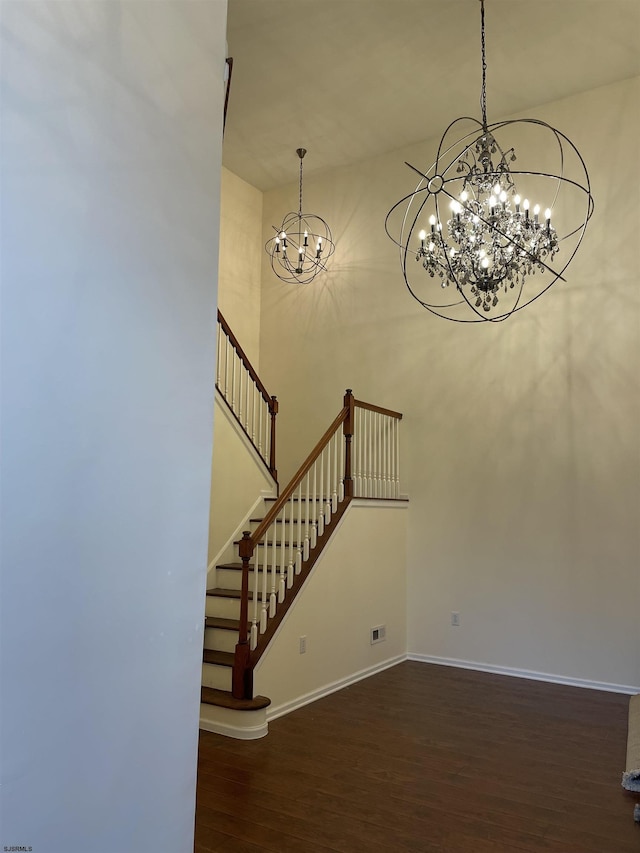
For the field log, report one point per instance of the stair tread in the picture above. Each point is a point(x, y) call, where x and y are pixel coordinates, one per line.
point(221, 592)
point(224, 624)
point(218, 658)
point(280, 521)
point(224, 699)
point(237, 567)
point(296, 500)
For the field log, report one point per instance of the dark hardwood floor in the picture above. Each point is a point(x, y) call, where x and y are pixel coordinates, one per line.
point(425, 758)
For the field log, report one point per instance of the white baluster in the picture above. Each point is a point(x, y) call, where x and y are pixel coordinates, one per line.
point(226, 368)
point(260, 434)
point(389, 457)
point(370, 461)
point(327, 452)
point(383, 456)
point(356, 452)
point(234, 358)
point(253, 634)
point(282, 586)
point(321, 497)
point(299, 546)
point(314, 508)
point(254, 391)
point(248, 391)
point(218, 354)
point(305, 548)
point(292, 559)
point(241, 373)
point(372, 469)
point(365, 452)
point(292, 566)
point(265, 577)
point(378, 455)
point(274, 572)
point(334, 494)
point(376, 450)
point(363, 449)
point(397, 455)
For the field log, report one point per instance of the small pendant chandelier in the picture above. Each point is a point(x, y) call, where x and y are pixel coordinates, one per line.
point(473, 247)
point(302, 245)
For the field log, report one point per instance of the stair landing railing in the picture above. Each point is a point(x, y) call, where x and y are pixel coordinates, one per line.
point(358, 456)
point(243, 391)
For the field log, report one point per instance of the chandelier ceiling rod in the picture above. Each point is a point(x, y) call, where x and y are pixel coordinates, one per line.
point(483, 92)
point(300, 152)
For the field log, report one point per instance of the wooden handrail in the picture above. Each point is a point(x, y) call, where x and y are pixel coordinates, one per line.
point(244, 657)
point(272, 403)
point(242, 674)
point(245, 360)
point(273, 513)
point(371, 408)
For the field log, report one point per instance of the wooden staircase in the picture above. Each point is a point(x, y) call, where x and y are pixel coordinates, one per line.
point(222, 627)
point(222, 619)
point(250, 597)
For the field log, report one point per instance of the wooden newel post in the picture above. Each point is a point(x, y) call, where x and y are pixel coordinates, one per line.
point(273, 408)
point(242, 679)
point(349, 403)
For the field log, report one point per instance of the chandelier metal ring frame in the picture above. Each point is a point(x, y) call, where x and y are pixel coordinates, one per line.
point(436, 182)
point(489, 252)
point(301, 246)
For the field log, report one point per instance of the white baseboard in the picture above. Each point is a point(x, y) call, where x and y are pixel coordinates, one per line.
point(526, 673)
point(274, 712)
point(241, 725)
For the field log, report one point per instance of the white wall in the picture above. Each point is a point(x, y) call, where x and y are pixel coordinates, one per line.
point(111, 156)
point(358, 583)
point(520, 440)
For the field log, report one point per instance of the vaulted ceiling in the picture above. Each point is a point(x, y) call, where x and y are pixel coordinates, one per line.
point(350, 79)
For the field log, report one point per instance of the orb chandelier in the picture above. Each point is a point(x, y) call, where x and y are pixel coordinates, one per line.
point(302, 245)
point(474, 245)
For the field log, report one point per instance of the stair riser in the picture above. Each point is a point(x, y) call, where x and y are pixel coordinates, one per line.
point(227, 608)
point(223, 641)
point(232, 578)
point(216, 676)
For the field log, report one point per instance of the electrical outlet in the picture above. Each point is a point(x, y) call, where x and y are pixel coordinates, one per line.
point(455, 619)
point(378, 634)
point(303, 645)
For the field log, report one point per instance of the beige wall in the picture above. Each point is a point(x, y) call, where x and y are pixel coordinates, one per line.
point(241, 247)
point(520, 440)
point(363, 567)
point(238, 479)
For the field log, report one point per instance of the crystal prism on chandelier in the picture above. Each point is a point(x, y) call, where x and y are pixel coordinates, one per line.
point(474, 222)
point(493, 241)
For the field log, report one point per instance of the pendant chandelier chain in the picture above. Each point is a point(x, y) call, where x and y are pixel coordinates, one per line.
point(300, 199)
point(483, 94)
